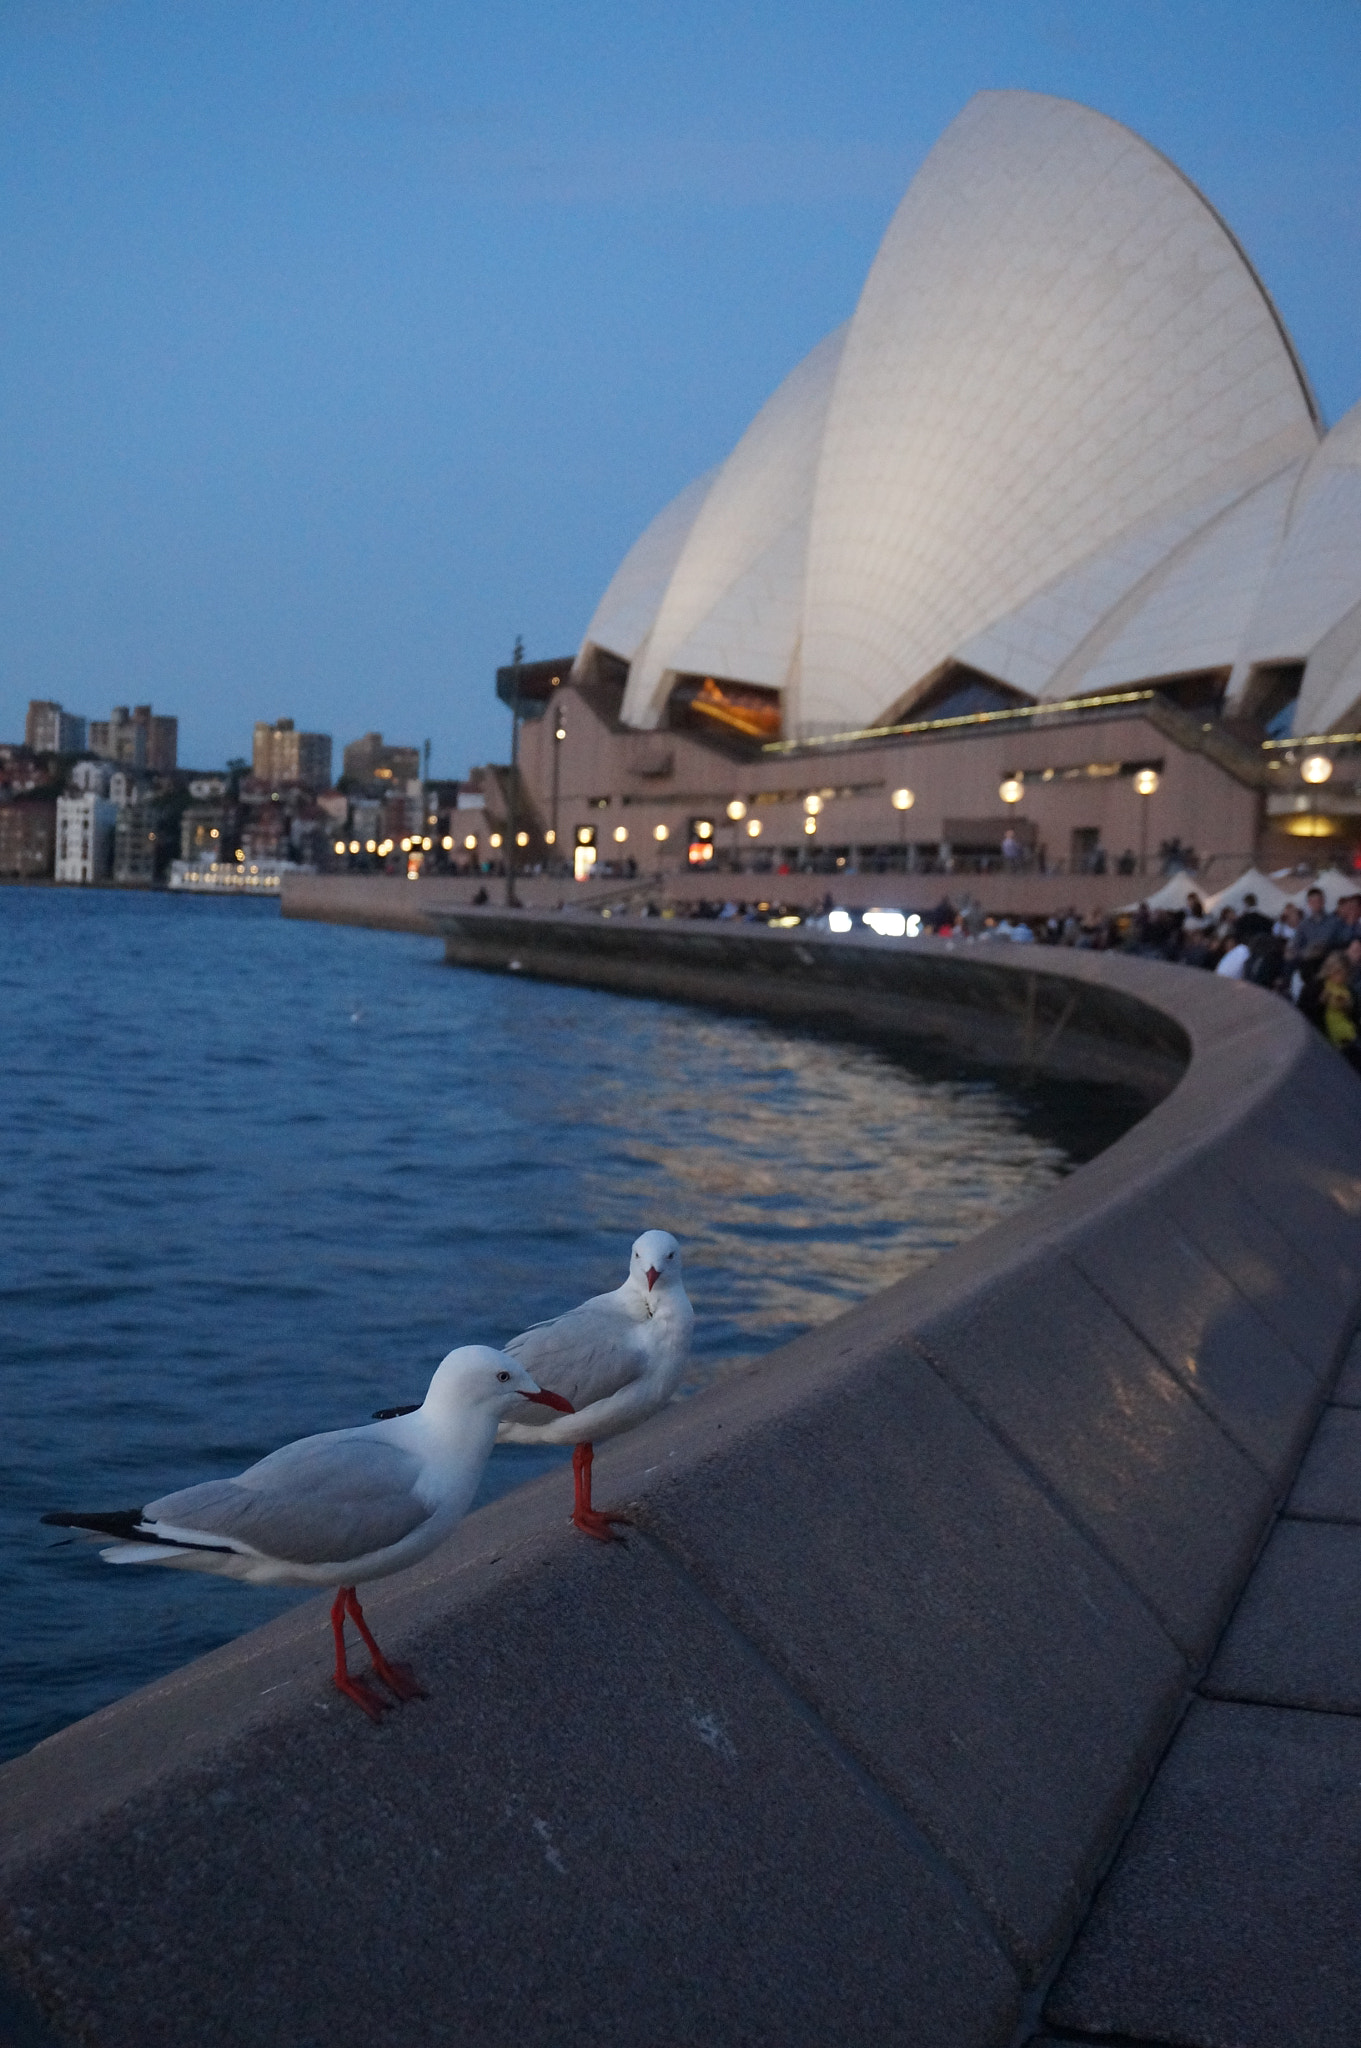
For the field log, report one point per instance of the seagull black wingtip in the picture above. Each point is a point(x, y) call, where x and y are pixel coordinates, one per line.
point(386, 1414)
point(117, 1522)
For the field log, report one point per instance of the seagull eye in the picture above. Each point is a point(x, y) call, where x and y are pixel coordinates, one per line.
point(503, 1375)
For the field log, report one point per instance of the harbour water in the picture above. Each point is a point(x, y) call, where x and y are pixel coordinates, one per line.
point(260, 1176)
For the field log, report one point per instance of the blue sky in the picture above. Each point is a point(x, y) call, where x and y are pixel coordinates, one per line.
point(340, 343)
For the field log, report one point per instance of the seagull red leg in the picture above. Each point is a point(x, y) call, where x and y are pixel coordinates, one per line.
point(364, 1696)
point(586, 1517)
point(399, 1679)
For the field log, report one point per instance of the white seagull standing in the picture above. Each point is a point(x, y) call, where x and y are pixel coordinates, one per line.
point(342, 1508)
point(617, 1359)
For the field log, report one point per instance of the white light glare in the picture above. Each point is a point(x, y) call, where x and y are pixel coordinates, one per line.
point(839, 920)
point(890, 924)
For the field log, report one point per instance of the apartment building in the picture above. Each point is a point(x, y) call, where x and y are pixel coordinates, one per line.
point(282, 756)
point(85, 826)
point(140, 738)
point(50, 730)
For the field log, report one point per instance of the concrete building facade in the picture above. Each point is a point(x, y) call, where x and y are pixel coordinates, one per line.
point(50, 730)
point(28, 834)
point(139, 738)
point(281, 756)
point(85, 828)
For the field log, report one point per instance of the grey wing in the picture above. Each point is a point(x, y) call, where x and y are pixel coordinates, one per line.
point(321, 1501)
point(586, 1355)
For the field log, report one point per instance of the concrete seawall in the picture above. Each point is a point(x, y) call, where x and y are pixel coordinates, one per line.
point(838, 1747)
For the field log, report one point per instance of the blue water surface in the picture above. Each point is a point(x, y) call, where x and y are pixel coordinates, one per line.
point(259, 1176)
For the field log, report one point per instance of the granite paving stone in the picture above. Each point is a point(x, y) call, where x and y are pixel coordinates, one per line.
point(1347, 1392)
point(628, 1835)
point(1295, 1638)
point(1119, 1440)
point(1203, 1330)
point(1230, 1917)
point(1329, 1482)
point(953, 1628)
point(1217, 1213)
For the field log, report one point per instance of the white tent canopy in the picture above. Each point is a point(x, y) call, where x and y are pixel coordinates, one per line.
point(1270, 898)
point(1174, 894)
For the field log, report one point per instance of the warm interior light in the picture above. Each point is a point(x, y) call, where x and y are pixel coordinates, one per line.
point(1146, 781)
point(496, 839)
point(621, 833)
point(470, 843)
point(1012, 790)
point(406, 846)
point(522, 839)
point(703, 829)
point(812, 804)
point(340, 847)
point(737, 810)
point(550, 837)
point(1308, 827)
point(448, 844)
point(902, 799)
point(810, 826)
point(659, 833)
point(560, 734)
point(426, 845)
point(753, 828)
point(354, 846)
point(370, 846)
point(1317, 768)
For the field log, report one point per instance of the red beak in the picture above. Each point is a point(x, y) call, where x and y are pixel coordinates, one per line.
point(547, 1400)
point(653, 1276)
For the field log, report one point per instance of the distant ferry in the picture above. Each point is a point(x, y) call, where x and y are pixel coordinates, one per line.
point(236, 876)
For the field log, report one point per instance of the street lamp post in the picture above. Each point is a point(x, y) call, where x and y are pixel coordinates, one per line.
point(1145, 783)
point(513, 794)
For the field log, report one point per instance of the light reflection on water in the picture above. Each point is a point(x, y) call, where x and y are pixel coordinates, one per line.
point(260, 1176)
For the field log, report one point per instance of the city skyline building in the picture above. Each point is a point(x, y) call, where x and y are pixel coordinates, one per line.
point(140, 738)
point(281, 755)
point(48, 729)
point(378, 767)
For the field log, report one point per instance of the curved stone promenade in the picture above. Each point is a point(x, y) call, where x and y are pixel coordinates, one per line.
point(962, 1681)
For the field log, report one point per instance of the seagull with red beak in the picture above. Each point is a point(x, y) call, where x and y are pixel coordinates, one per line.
point(340, 1509)
point(617, 1359)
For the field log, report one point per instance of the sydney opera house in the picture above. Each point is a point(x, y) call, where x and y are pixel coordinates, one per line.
point(1047, 546)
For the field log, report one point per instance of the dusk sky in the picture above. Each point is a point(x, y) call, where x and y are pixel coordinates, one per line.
point(342, 343)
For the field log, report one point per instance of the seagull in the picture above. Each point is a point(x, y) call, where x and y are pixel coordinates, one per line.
point(616, 1359)
point(344, 1507)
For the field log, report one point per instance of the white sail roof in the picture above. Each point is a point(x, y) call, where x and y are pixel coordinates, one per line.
point(1064, 440)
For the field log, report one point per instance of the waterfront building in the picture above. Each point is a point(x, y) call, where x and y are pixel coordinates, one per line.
point(207, 831)
point(137, 839)
point(28, 838)
point(282, 755)
point(84, 848)
point(139, 738)
point(50, 730)
point(1048, 541)
point(373, 768)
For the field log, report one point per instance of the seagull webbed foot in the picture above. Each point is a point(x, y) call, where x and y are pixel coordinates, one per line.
point(400, 1680)
point(370, 1702)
